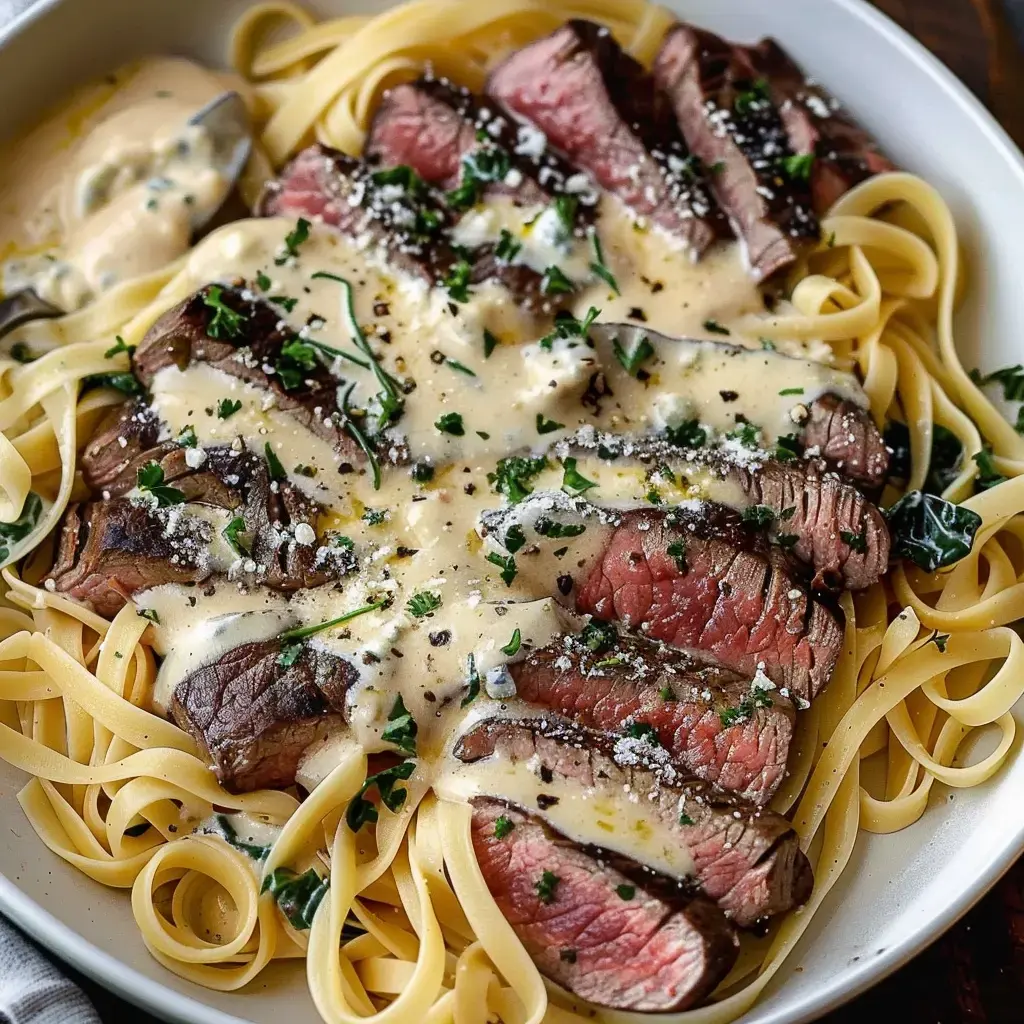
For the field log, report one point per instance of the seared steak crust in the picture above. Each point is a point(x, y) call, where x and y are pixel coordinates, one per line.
point(255, 715)
point(746, 859)
point(848, 440)
point(721, 590)
point(123, 443)
point(731, 124)
point(325, 185)
point(111, 550)
point(691, 707)
point(598, 107)
point(182, 336)
point(659, 951)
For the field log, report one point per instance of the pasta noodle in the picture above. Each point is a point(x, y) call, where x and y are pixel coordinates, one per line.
point(928, 659)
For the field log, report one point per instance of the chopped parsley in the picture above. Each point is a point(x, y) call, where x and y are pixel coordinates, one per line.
point(758, 515)
point(484, 164)
point(120, 346)
point(558, 531)
point(685, 819)
point(472, 682)
point(460, 367)
point(632, 361)
point(554, 282)
point(714, 327)
point(404, 176)
point(565, 207)
point(689, 434)
point(598, 636)
point(767, 344)
point(787, 448)
point(375, 516)
point(234, 533)
point(490, 343)
point(263, 282)
point(457, 281)
point(150, 480)
point(791, 391)
point(746, 708)
point(123, 382)
point(751, 98)
point(227, 407)
point(666, 693)
point(940, 640)
point(225, 322)
point(451, 423)
point(798, 166)
point(187, 438)
point(573, 482)
point(643, 731)
point(277, 470)
point(513, 475)
point(293, 240)
point(599, 267)
point(546, 426)
point(546, 887)
point(515, 539)
point(422, 604)
point(625, 892)
point(286, 302)
point(507, 564)
point(512, 647)
point(297, 358)
point(503, 827)
point(507, 248)
point(748, 434)
point(567, 326)
point(401, 728)
point(422, 472)
point(150, 613)
point(361, 811)
point(677, 552)
point(855, 541)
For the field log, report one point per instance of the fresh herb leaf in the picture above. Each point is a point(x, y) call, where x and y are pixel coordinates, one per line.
point(666, 693)
point(507, 248)
point(760, 516)
point(752, 98)
point(404, 177)
point(401, 729)
point(1010, 378)
point(503, 827)
point(512, 647)
point(361, 811)
point(558, 531)
point(748, 435)
point(931, 532)
point(598, 636)
point(554, 282)
point(277, 470)
point(451, 423)
point(126, 383)
point(150, 613)
point(546, 887)
point(767, 344)
point(787, 448)
point(573, 482)
point(632, 361)
point(457, 281)
point(567, 326)
point(546, 426)
point(677, 552)
point(490, 343)
point(187, 438)
point(599, 267)
point(689, 434)
point(625, 892)
point(375, 516)
point(643, 731)
point(150, 480)
point(507, 564)
point(515, 539)
point(513, 475)
point(293, 240)
point(714, 327)
point(940, 640)
point(791, 391)
point(422, 604)
point(472, 682)
point(234, 533)
point(227, 408)
point(225, 322)
point(12, 533)
point(286, 302)
point(855, 541)
point(684, 818)
point(120, 346)
point(262, 281)
point(798, 166)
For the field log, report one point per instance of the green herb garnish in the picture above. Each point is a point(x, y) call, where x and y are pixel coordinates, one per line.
point(150, 480)
point(225, 322)
point(401, 728)
point(422, 604)
point(293, 240)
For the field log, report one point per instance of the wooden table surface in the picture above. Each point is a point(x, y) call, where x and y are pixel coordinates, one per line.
point(975, 973)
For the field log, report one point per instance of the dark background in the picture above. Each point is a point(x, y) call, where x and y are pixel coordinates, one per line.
point(975, 973)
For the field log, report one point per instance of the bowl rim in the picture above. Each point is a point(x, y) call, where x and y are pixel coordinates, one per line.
point(170, 1005)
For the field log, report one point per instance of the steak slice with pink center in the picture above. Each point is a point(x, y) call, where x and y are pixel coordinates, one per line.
point(710, 720)
point(660, 950)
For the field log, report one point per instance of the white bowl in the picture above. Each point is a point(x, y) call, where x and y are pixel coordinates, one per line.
point(899, 892)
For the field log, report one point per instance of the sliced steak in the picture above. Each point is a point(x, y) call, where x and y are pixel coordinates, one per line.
point(190, 332)
point(432, 127)
point(407, 227)
point(111, 550)
point(729, 121)
point(698, 579)
point(598, 107)
point(121, 445)
point(660, 951)
point(847, 439)
point(844, 153)
point(746, 859)
point(255, 716)
point(708, 718)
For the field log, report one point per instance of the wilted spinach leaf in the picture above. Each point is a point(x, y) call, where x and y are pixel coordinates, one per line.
point(12, 533)
point(931, 531)
point(298, 896)
point(946, 461)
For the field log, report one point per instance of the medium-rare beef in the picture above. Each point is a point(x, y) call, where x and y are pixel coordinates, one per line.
point(816, 124)
point(729, 121)
point(434, 127)
point(697, 578)
point(746, 859)
point(712, 722)
point(121, 445)
point(255, 711)
point(244, 346)
point(598, 107)
point(660, 950)
point(404, 224)
point(110, 550)
point(847, 439)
